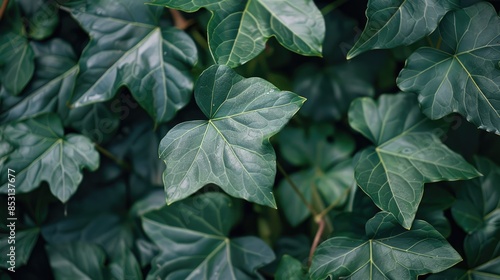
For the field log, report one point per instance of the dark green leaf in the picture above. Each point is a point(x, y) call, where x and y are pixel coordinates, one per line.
point(330, 90)
point(388, 252)
point(43, 153)
point(232, 148)
point(407, 154)
point(204, 220)
point(462, 75)
point(478, 200)
point(23, 242)
point(290, 269)
point(432, 207)
point(394, 23)
point(238, 30)
point(52, 84)
point(16, 55)
point(76, 261)
point(125, 267)
point(41, 16)
point(131, 49)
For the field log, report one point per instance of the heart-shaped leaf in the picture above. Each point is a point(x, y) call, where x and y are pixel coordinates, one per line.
point(131, 49)
point(16, 55)
point(43, 153)
point(393, 23)
point(478, 200)
point(52, 84)
point(387, 252)
point(204, 220)
point(407, 154)
point(230, 149)
point(238, 30)
point(462, 75)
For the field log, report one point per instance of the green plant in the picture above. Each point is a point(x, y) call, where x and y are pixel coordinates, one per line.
point(386, 164)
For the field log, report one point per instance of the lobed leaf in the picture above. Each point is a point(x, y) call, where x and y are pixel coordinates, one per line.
point(238, 30)
point(462, 75)
point(387, 252)
point(204, 220)
point(232, 148)
point(407, 154)
point(393, 23)
point(43, 153)
point(132, 50)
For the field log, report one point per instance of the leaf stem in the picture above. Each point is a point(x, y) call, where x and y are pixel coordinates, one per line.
point(317, 237)
point(179, 21)
point(334, 204)
point(108, 154)
point(296, 189)
point(332, 6)
point(3, 7)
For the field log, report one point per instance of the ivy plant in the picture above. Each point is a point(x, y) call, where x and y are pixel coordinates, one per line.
point(249, 139)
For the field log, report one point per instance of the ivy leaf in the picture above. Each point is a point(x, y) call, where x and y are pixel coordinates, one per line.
point(462, 76)
point(43, 153)
point(204, 220)
point(399, 22)
point(131, 49)
point(291, 269)
point(76, 261)
point(407, 154)
point(125, 267)
point(329, 173)
point(387, 252)
point(232, 148)
point(16, 55)
point(478, 200)
point(52, 84)
point(24, 240)
point(238, 30)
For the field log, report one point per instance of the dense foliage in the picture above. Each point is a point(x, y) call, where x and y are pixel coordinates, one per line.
point(255, 139)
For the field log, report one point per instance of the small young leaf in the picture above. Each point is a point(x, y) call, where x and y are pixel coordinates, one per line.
point(407, 154)
point(42, 17)
point(290, 268)
point(76, 261)
point(462, 75)
point(131, 49)
point(398, 22)
point(204, 220)
point(238, 30)
point(232, 148)
point(387, 252)
point(16, 55)
point(43, 153)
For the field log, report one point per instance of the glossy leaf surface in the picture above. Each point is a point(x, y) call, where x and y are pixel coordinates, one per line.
point(238, 30)
point(43, 153)
point(388, 252)
point(230, 149)
point(131, 49)
point(204, 220)
point(462, 75)
point(407, 154)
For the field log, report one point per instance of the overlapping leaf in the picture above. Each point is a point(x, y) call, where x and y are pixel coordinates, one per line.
point(238, 30)
point(462, 75)
point(204, 220)
point(41, 152)
point(77, 261)
point(16, 55)
point(52, 84)
point(478, 200)
point(407, 154)
point(129, 48)
point(328, 171)
point(399, 22)
point(387, 252)
point(230, 149)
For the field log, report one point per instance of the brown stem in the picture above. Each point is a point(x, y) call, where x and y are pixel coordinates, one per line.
point(296, 189)
point(179, 21)
point(3, 8)
point(321, 227)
